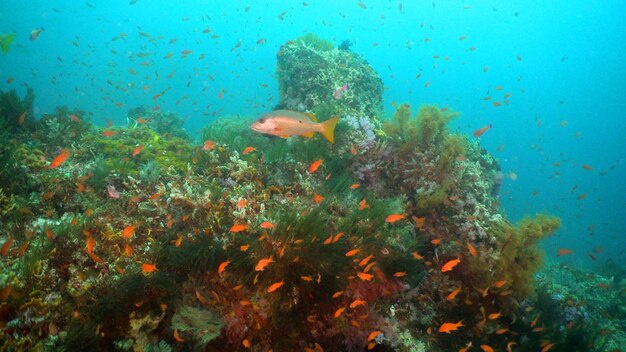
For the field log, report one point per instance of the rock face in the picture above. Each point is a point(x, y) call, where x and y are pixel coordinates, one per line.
point(311, 73)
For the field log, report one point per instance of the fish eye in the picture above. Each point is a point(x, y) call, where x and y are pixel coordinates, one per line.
point(262, 120)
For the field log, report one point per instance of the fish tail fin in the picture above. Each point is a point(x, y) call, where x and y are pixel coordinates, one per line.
point(328, 129)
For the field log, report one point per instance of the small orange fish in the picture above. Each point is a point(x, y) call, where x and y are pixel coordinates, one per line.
point(586, 167)
point(222, 267)
point(23, 248)
point(178, 240)
point(6, 246)
point(494, 316)
point(564, 251)
point(450, 265)
point(365, 260)
point(479, 132)
point(109, 133)
point(337, 294)
point(242, 203)
point(60, 159)
point(355, 185)
point(394, 217)
point(357, 302)
point(200, 297)
point(20, 120)
point(315, 165)
point(5, 293)
point(238, 228)
point(373, 335)
point(208, 145)
point(486, 348)
point(534, 322)
point(137, 150)
point(244, 247)
point(338, 312)
point(337, 237)
point(472, 250)
point(275, 286)
point(248, 150)
point(352, 252)
point(417, 255)
point(501, 331)
point(453, 294)
point(260, 266)
point(499, 284)
point(317, 198)
point(267, 225)
point(447, 327)
point(399, 274)
point(419, 222)
point(364, 276)
point(91, 244)
point(363, 204)
point(148, 268)
point(246, 343)
point(128, 232)
point(547, 347)
point(96, 258)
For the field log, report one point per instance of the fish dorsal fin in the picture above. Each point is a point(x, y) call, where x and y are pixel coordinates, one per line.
point(311, 116)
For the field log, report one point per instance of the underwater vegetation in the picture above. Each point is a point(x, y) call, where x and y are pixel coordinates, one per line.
point(137, 238)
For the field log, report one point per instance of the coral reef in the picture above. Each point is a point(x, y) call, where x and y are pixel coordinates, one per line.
point(145, 240)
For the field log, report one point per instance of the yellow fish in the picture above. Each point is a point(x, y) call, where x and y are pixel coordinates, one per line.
point(285, 123)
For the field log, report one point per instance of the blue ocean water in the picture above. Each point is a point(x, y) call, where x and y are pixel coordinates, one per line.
point(560, 61)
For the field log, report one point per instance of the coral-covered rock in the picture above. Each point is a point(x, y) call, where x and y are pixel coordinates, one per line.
point(315, 76)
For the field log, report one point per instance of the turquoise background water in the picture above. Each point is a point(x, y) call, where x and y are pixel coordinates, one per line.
point(561, 61)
